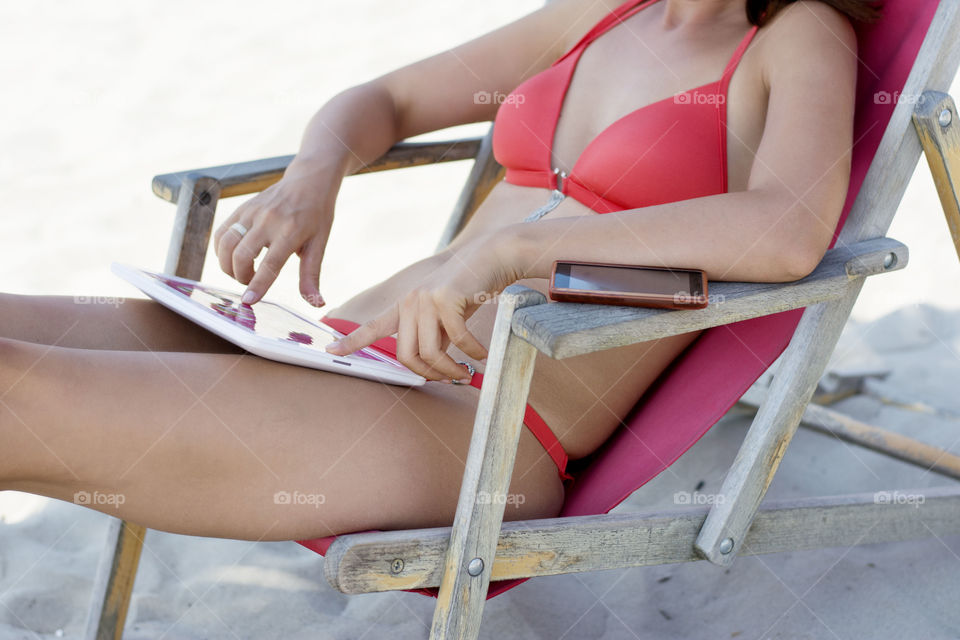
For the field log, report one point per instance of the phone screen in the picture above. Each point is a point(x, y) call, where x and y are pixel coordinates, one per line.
point(589, 277)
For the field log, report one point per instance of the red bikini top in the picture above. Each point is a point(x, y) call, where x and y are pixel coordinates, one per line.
point(673, 149)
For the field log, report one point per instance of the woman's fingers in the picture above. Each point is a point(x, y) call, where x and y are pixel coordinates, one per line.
point(456, 328)
point(408, 339)
point(268, 270)
point(430, 347)
point(310, 258)
point(229, 238)
point(245, 252)
point(223, 228)
point(366, 334)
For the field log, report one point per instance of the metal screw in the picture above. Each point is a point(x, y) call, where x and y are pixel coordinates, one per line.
point(889, 260)
point(726, 546)
point(475, 567)
point(397, 565)
point(204, 198)
point(946, 117)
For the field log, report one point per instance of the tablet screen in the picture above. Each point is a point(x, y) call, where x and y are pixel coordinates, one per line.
point(265, 319)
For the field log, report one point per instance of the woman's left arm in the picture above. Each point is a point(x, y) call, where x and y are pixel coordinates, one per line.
point(776, 230)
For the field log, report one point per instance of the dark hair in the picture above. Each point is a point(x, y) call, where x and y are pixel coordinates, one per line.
point(759, 11)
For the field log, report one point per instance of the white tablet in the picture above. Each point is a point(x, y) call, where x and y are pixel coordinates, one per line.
point(266, 329)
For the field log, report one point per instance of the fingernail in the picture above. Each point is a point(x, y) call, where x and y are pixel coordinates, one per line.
point(315, 300)
point(465, 380)
point(336, 344)
point(248, 297)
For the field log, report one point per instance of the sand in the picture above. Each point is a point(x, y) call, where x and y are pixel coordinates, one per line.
point(100, 96)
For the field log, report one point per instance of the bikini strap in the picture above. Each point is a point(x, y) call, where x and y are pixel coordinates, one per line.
point(618, 15)
point(722, 103)
point(735, 59)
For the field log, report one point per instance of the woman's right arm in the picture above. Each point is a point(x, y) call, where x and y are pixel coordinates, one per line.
point(359, 125)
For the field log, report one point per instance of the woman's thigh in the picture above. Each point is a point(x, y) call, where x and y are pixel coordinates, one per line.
point(237, 446)
point(89, 322)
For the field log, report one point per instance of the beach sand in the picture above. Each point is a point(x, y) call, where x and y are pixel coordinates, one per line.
point(100, 96)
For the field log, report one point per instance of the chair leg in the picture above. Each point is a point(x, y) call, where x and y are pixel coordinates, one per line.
point(486, 172)
point(773, 427)
point(890, 443)
point(938, 125)
point(191, 229)
point(486, 479)
point(113, 585)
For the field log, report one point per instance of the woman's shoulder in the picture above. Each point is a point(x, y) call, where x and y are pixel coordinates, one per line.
point(808, 23)
point(810, 34)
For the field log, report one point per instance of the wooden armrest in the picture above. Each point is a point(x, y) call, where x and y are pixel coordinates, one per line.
point(562, 330)
point(242, 178)
point(413, 559)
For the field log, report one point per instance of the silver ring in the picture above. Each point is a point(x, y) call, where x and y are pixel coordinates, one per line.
point(239, 228)
point(470, 369)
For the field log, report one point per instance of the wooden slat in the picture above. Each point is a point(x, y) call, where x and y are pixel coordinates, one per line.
point(563, 330)
point(895, 445)
point(242, 178)
point(113, 584)
point(190, 237)
point(484, 175)
point(938, 127)
point(805, 358)
point(486, 477)
point(776, 421)
point(363, 563)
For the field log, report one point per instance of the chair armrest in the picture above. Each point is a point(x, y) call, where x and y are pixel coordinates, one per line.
point(242, 178)
point(562, 330)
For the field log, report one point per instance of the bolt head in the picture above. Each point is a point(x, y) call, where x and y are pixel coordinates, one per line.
point(475, 567)
point(397, 565)
point(889, 260)
point(946, 117)
point(726, 546)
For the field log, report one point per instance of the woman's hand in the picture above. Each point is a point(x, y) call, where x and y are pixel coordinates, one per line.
point(433, 315)
point(292, 216)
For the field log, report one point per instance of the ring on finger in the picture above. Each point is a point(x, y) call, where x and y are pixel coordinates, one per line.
point(470, 369)
point(239, 228)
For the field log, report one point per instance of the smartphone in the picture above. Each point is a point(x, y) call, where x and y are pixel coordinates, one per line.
point(628, 285)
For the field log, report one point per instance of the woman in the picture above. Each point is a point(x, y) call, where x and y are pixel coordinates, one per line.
point(150, 418)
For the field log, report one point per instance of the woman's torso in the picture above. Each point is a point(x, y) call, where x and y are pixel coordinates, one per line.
point(583, 399)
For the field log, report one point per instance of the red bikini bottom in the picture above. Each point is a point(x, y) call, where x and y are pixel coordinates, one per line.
point(531, 418)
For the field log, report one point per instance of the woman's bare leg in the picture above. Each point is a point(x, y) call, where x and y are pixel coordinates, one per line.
point(241, 447)
point(123, 324)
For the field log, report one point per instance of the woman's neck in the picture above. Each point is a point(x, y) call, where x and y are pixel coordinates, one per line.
point(694, 13)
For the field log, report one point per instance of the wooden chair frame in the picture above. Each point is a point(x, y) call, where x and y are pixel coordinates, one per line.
point(462, 559)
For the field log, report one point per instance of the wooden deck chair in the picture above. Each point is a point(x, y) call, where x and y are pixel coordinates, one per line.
point(907, 59)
